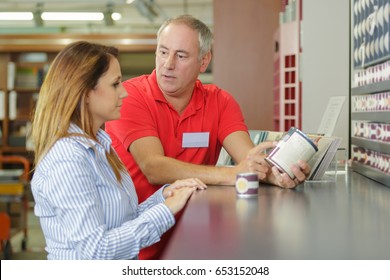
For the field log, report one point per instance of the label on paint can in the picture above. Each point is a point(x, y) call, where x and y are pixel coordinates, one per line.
point(247, 184)
point(294, 146)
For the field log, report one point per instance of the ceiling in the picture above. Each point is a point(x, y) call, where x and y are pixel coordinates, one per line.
point(134, 19)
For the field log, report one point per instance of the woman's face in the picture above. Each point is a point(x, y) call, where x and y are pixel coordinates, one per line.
point(105, 100)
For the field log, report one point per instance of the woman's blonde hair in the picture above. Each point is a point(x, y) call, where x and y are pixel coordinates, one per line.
point(72, 75)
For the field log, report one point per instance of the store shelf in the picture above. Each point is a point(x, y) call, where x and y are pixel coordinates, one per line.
point(382, 147)
point(376, 153)
point(383, 116)
point(372, 173)
point(287, 86)
point(31, 55)
point(371, 88)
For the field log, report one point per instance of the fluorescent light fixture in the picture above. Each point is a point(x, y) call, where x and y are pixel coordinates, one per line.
point(110, 16)
point(116, 16)
point(77, 16)
point(63, 16)
point(16, 16)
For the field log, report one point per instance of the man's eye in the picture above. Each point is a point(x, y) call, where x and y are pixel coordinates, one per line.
point(116, 85)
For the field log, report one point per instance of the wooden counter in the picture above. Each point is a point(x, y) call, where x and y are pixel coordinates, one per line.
point(346, 219)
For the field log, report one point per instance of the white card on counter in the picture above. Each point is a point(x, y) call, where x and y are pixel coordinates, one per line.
point(332, 112)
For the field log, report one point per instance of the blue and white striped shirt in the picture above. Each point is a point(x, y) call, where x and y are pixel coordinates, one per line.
point(85, 213)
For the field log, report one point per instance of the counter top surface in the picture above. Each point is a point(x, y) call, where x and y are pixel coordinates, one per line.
point(345, 219)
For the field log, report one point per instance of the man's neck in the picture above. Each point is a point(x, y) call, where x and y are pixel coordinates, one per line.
point(179, 103)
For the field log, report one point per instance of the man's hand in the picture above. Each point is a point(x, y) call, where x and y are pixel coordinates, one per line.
point(254, 161)
point(301, 170)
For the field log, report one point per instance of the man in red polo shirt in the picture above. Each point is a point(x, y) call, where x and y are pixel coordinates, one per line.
point(172, 126)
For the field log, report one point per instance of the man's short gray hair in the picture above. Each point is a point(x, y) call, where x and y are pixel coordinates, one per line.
point(205, 37)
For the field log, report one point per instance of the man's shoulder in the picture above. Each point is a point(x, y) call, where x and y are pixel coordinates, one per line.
point(140, 86)
point(209, 87)
point(214, 91)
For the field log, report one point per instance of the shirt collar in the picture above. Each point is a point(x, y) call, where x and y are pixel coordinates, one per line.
point(103, 138)
point(198, 95)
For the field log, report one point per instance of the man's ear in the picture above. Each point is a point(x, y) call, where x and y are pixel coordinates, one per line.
point(205, 62)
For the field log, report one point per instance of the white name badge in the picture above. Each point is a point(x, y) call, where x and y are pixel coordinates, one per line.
point(195, 139)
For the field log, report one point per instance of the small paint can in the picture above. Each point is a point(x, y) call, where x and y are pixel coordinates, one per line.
point(247, 184)
point(295, 145)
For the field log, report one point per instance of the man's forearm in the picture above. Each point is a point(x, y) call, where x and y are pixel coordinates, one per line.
point(167, 170)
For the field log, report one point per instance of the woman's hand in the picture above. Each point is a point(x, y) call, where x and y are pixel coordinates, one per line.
point(191, 182)
point(177, 194)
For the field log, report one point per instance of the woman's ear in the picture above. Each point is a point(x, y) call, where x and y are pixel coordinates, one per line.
point(87, 96)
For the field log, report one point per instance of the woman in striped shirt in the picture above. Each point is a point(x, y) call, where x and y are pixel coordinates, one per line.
point(84, 197)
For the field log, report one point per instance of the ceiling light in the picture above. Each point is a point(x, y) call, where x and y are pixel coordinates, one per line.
point(116, 16)
point(77, 16)
point(38, 16)
point(16, 16)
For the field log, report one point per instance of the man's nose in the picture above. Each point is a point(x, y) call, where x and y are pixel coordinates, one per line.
point(170, 62)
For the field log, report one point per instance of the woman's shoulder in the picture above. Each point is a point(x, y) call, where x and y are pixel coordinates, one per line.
point(66, 148)
point(63, 150)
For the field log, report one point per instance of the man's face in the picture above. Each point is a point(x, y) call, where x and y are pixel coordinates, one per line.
point(177, 60)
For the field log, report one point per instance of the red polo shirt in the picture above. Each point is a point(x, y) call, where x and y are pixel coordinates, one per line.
point(145, 112)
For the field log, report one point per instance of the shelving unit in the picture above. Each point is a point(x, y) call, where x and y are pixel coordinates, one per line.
point(20, 95)
point(29, 73)
point(287, 85)
point(370, 90)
